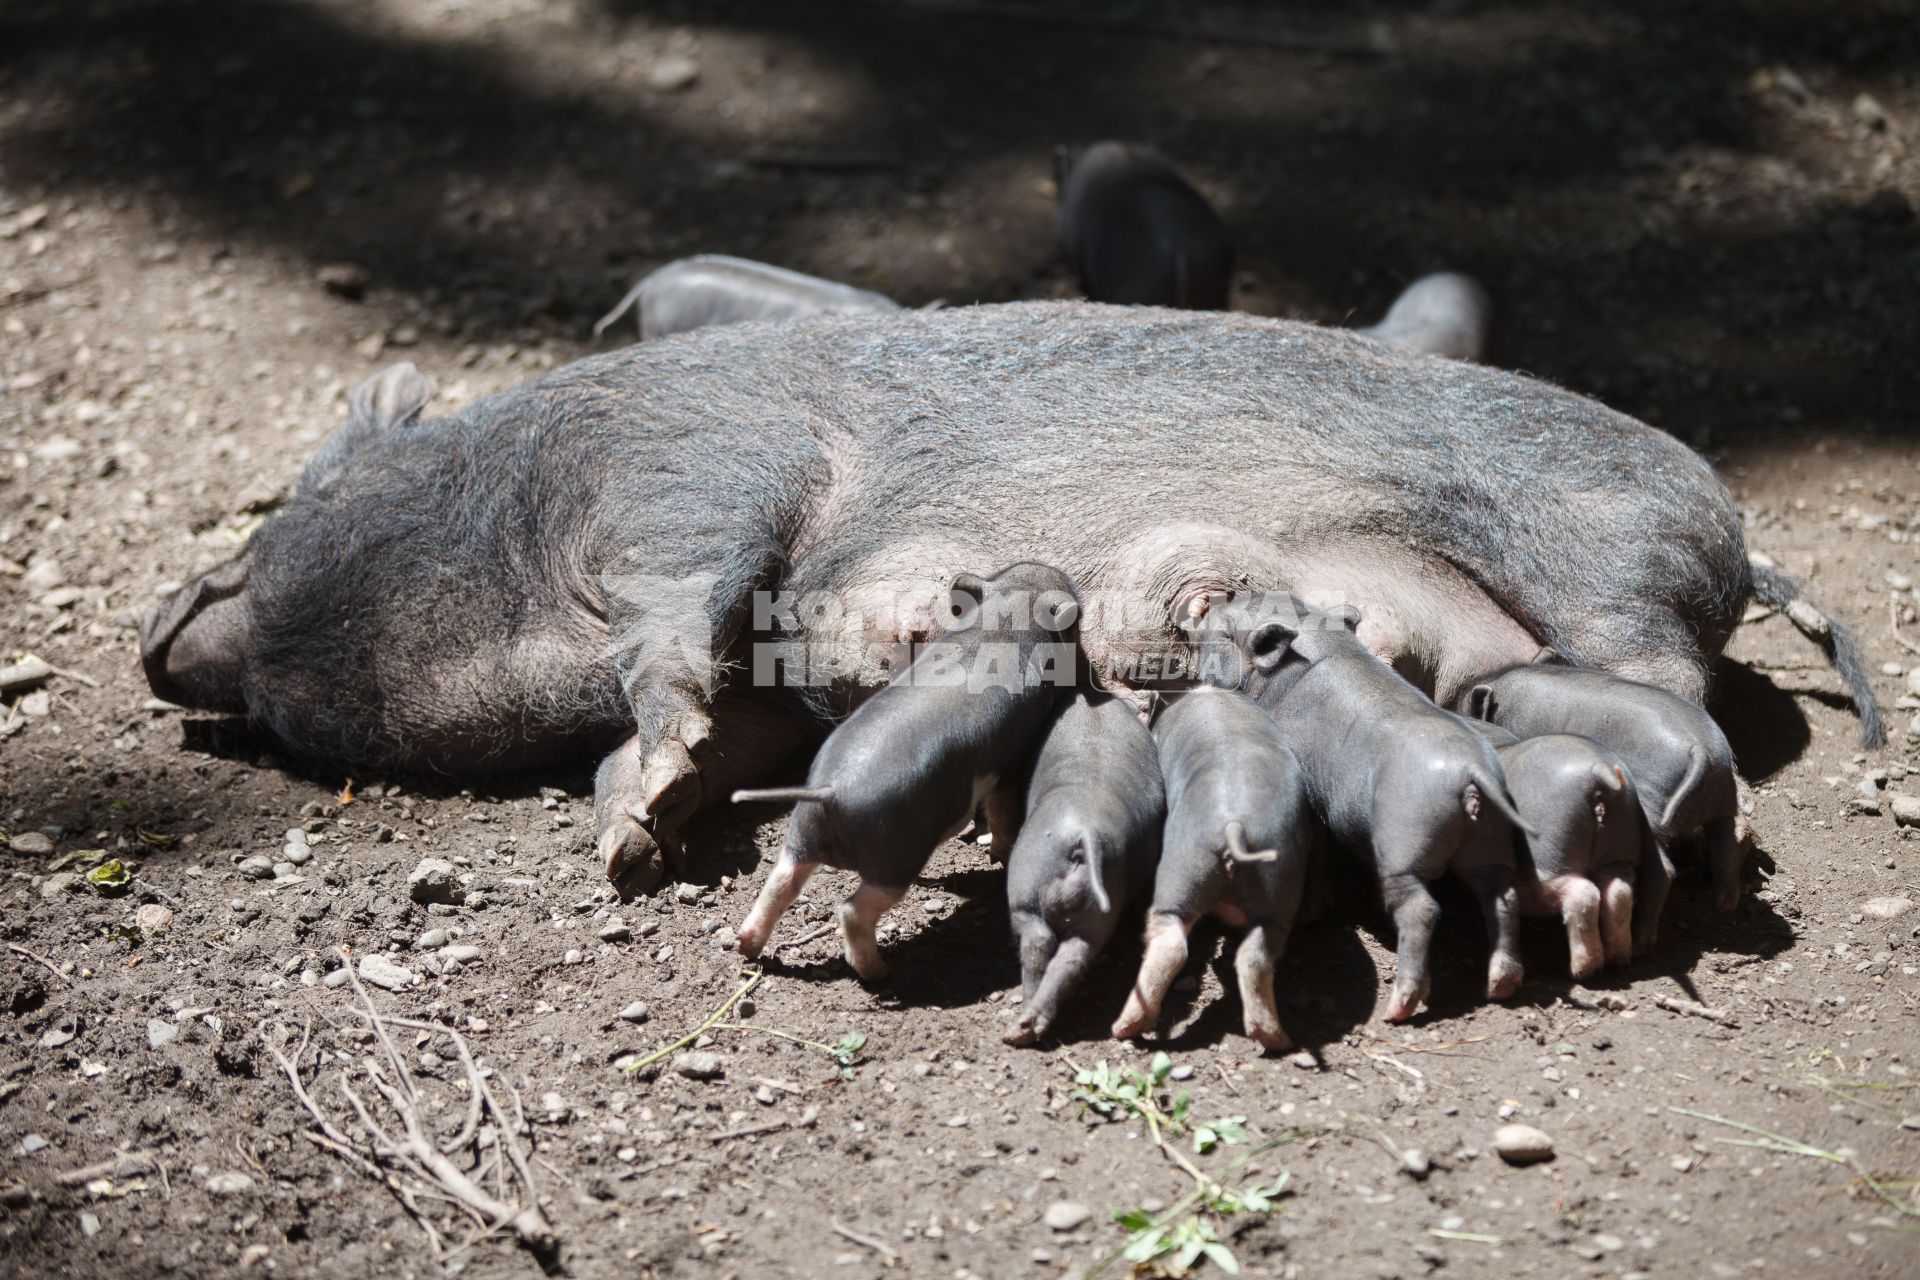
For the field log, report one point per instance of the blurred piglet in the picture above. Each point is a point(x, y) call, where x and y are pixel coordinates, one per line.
point(1137, 231)
point(714, 289)
point(1445, 314)
point(1238, 840)
point(906, 770)
point(1091, 834)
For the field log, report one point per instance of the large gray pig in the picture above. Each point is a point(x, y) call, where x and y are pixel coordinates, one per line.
point(569, 566)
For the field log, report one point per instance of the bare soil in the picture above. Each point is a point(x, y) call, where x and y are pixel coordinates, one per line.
point(1701, 214)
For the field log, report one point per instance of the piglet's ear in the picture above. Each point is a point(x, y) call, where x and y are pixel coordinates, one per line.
point(1268, 644)
point(1347, 616)
point(965, 597)
point(1477, 702)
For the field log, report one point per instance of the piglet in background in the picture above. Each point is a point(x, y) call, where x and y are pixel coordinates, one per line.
point(714, 289)
point(1138, 233)
point(1446, 314)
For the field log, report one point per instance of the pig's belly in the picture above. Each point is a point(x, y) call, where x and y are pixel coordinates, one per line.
point(1419, 614)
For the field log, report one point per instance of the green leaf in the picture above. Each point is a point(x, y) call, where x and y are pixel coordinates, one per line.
point(111, 877)
point(849, 1045)
point(1146, 1246)
point(1160, 1068)
point(1231, 1130)
point(1222, 1257)
point(1133, 1219)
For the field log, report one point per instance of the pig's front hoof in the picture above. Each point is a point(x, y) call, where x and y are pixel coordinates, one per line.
point(1505, 975)
point(671, 785)
point(1270, 1036)
point(634, 860)
point(1132, 1023)
point(1405, 1001)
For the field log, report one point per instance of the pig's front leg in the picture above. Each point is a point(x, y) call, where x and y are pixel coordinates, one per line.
point(1166, 956)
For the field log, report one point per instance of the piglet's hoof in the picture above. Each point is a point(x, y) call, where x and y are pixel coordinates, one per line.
point(1024, 1035)
point(1405, 1001)
point(1504, 976)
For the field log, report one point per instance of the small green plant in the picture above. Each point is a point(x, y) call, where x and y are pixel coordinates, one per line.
point(111, 877)
point(1181, 1237)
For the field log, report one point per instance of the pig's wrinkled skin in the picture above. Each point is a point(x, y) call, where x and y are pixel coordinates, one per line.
point(1089, 840)
point(714, 289)
point(1584, 858)
point(1416, 790)
point(906, 770)
point(1681, 765)
point(1138, 233)
point(441, 600)
point(1238, 841)
point(1445, 314)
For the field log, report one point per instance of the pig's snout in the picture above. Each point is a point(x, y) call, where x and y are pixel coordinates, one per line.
point(193, 646)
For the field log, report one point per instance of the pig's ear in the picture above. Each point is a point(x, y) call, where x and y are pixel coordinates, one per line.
point(390, 398)
point(964, 599)
point(1267, 644)
point(1347, 616)
point(1477, 702)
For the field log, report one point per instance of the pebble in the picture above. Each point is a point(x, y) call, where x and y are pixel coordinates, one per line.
point(616, 931)
point(431, 940)
point(1913, 682)
point(724, 938)
point(435, 880)
point(672, 74)
point(1913, 727)
point(152, 918)
point(463, 953)
point(58, 883)
point(1415, 1163)
point(338, 978)
point(635, 1012)
point(32, 843)
point(44, 576)
point(255, 868)
point(646, 928)
point(1304, 1060)
point(347, 279)
point(32, 1143)
point(1182, 1072)
point(1906, 810)
point(573, 956)
point(1065, 1215)
point(699, 1066)
point(382, 972)
point(1899, 582)
point(230, 1184)
point(687, 893)
point(159, 1033)
point(1522, 1144)
point(1886, 908)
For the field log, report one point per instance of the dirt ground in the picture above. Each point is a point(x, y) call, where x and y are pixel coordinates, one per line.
point(215, 216)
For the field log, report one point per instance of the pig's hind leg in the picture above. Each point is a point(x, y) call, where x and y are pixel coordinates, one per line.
point(1253, 964)
point(1415, 914)
point(1500, 904)
point(1064, 970)
point(859, 918)
point(1166, 956)
point(783, 885)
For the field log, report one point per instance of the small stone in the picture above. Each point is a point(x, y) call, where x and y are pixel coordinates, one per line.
point(724, 939)
point(255, 869)
point(233, 1183)
point(1913, 727)
point(687, 893)
point(384, 973)
point(1522, 1144)
point(346, 279)
point(285, 871)
point(616, 931)
point(573, 956)
point(32, 1144)
point(1612, 1244)
point(44, 576)
point(1906, 810)
point(1414, 1163)
point(1681, 1164)
point(699, 1066)
point(1886, 908)
point(297, 836)
point(672, 74)
point(1868, 805)
point(297, 854)
point(338, 978)
point(1182, 1072)
point(1304, 1060)
point(58, 883)
point(1065, 1215)
point(1913, 682)
point(463, 953)
point(89, 1224)
point(435, 880)
point(636, 1012)
point(31, 843)
point(431, 940)
point(646, 928)
point(159, 1033)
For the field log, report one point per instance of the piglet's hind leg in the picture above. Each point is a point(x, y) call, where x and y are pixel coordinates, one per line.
point(783, 885)
point(859, 917)
point(1166, 955)
point(1254, 963)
